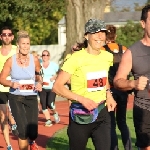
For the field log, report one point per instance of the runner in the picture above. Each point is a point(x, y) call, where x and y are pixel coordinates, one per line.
point(47, 96)
point(6, 51)
point(118, 116)
point(137, 58)
point(88, 71)
point(22, 68)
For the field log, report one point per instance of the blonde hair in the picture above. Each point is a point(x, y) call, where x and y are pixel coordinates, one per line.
point(22, 34)
point(46, 51)
point(34, 53)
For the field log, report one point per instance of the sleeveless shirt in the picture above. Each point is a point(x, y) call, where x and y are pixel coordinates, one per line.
point(141, 67)
point(2, 62)
point(23, 75)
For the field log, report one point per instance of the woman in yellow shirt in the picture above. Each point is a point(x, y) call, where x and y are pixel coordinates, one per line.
point(87, 70)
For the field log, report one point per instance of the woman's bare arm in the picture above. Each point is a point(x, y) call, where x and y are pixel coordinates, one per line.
point(60, 89)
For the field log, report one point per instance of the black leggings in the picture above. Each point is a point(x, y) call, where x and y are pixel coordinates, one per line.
point(47, 99)
point(99, 131)
point(120, 118)
point(24, 109)
point(3, 97)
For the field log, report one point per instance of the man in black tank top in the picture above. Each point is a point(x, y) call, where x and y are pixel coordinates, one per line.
point(137, 59)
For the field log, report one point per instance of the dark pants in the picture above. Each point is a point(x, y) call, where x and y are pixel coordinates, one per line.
point(99, 131)
point(24, 109)
point(120, 119)
point(47, 99)
point(141, 119)
point(3, 97)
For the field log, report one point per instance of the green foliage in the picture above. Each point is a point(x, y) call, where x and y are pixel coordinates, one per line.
point(38, 17)
point(129, 33)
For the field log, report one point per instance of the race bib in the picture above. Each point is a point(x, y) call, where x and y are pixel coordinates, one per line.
point(27, 85)
point(46, 82)
point(8, 78)
point(96, 81)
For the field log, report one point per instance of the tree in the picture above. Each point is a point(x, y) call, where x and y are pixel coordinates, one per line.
point(78, 13)
point(38, 17)
point(129, 34)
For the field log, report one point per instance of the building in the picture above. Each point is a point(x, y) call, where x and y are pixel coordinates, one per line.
point(114, 18)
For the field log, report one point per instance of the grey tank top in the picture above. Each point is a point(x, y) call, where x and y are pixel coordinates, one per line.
point(141, 67)
point(23, 75)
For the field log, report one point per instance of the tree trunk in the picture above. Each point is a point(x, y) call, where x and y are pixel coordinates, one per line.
point(78, 13)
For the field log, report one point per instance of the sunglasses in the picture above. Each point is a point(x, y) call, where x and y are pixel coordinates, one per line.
point(6, 34)
point(44, 55)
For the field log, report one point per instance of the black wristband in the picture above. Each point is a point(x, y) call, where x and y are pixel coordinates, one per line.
point(109, 90)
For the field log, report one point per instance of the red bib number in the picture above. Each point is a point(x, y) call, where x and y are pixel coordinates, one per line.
point(26, 85)
point(96, 80)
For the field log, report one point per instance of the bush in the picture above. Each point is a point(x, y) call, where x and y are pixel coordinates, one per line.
point(129, 33)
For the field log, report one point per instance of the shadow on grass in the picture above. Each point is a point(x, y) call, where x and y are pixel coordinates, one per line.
point(60, 141)
point(121, 145)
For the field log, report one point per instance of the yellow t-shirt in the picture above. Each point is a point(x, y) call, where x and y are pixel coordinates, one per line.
point(89, 73)
point(2, 62)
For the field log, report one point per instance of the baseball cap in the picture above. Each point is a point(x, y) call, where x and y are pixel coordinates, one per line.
point(95, 25)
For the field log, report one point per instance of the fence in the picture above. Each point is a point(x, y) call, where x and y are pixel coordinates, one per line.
point(56, 51)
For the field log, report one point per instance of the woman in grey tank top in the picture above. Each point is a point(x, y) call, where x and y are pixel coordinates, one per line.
point(23, 68)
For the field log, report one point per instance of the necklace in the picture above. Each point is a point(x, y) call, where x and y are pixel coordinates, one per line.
point(23, 61)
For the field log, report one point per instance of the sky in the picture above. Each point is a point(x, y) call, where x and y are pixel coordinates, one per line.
point(127, 3)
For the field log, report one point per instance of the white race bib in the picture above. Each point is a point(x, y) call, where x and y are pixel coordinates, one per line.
point(8, 78)
point(96, 81)
point(46, 82)
point(27, 85)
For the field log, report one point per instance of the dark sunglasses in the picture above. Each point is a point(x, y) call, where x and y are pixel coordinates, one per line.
point(6, 34)
point(44, 55)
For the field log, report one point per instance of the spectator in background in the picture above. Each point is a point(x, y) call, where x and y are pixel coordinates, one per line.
point(119, 96)
point(47, 96)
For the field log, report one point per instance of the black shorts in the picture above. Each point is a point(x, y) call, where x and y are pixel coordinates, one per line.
point(3, 97)
point(141, 119)
point(24, 109)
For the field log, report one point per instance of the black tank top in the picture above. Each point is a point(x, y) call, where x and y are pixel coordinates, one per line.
point(141, 67)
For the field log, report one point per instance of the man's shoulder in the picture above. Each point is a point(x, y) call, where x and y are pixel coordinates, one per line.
point(138, 43)
point(14, 47)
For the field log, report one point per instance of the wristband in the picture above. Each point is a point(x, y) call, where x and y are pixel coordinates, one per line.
point(109, 91)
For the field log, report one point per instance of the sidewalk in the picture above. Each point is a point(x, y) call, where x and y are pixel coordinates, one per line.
point(46, 132)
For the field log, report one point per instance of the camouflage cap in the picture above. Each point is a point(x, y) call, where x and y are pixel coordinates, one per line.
point(95, 25)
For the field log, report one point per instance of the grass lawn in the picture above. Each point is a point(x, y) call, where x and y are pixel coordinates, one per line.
point(60, 139)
